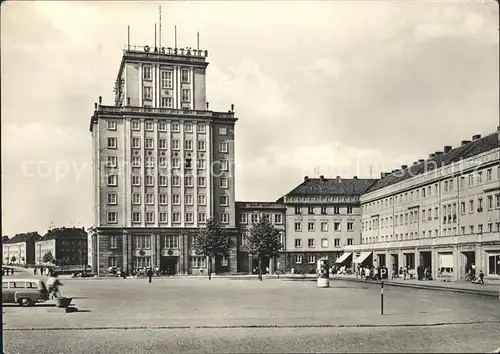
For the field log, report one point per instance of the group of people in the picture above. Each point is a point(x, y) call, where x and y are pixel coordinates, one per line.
point(43, 271)
point(368, 272)
point(470, 270)
point(7, 271)
point(339, 270)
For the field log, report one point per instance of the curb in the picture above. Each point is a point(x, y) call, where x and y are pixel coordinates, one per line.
point(490, 293)
point(436, 324)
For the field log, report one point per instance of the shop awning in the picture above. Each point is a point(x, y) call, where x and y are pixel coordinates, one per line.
point(343, 258)
point(362, 257)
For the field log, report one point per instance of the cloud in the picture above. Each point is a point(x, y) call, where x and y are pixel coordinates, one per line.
point(347, 86)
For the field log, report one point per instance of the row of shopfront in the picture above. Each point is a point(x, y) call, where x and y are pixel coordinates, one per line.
point(445, 263)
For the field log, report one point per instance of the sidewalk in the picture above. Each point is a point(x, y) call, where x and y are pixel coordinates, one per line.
point(489, 289)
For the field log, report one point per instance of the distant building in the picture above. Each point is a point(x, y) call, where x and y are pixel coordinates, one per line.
point(441, 213)
point(249, 213)
point(20, 249)
point(323, 217)
point(4, 240)
point(163, 164)
point(68, 246)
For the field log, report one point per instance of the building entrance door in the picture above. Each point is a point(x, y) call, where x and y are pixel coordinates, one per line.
point(255, 264)
point(381, 260)
point(169, 265)
point(469, 264)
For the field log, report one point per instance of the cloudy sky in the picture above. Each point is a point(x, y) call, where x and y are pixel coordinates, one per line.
point(319, 88)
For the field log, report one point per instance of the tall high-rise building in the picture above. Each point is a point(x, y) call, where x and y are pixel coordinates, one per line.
point(163, 163)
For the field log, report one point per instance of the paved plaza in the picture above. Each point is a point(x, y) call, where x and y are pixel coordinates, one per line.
point(245, 315)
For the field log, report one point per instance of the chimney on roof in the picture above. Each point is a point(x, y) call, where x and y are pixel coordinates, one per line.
point(421, 160)
point(207, 105)
point(475, 137)
point(464, 142)
point(321, 178)
point(431, 155)
point(404, 167)
point(355, 177)
point(232, 107)
point(382, 174)
point(306, 178)
point(447, 148)
point(100, 99)
point(438, 153)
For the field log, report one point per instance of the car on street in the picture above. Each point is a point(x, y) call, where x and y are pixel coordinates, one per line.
point(24, 291)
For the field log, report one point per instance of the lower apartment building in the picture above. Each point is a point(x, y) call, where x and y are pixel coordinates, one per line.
point(67, 246)
point(249, 213)
point(441, 213)
point(20, 249)
point(323, 217)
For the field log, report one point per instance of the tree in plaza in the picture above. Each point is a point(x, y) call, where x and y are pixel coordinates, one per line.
point(211, 242)
point(263, 241)
point(48, 257)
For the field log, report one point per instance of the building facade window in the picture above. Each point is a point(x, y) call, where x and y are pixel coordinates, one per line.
point(112, 143)
point(142, 241)
point(111, 125)
point(150, 217)
point(223, 218)
point(146, 72)
point(184, 75)
point(223, 147)
point(166, 79)
point(494, 264)
point(112, 198)
point(113, 244)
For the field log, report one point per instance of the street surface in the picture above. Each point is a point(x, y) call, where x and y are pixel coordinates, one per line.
point(235, 315)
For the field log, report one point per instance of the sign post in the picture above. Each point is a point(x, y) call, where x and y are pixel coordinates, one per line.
point(383, 272)
point(382, 297)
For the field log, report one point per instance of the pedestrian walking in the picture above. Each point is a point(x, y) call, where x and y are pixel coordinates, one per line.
point(53, 284)
point(150, 274)
point(34, 271)
point(481, 277)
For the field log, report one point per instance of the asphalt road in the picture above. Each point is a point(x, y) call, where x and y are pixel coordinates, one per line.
point(184, 315)
point(443, 339)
